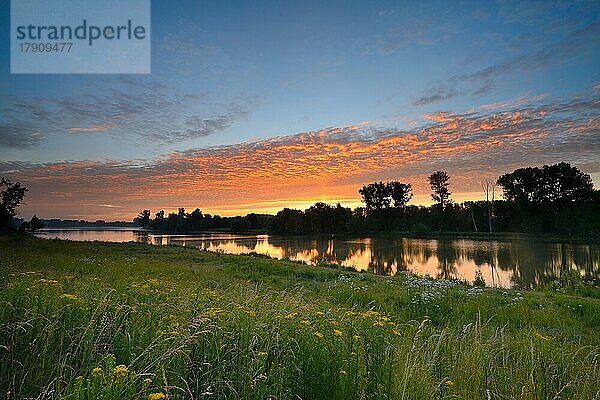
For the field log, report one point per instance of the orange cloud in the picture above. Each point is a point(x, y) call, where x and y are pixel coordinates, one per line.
point(329, 164)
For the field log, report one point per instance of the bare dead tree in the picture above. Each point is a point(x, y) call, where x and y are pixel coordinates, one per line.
point(489, 189)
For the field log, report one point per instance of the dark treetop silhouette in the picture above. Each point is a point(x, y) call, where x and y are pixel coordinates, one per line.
point(553, 199)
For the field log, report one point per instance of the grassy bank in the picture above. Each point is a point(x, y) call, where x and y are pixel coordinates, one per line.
point(132, 321)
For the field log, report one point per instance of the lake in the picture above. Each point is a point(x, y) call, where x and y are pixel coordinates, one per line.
point(522, 263)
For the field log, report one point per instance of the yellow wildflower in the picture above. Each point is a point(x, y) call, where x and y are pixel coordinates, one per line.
point(338, 333)
point(262, 354)
point(449, 382)
point(318, 334)
point(68, 296)
point(120, 371)
point(157, 396)
point(320, 313)
point(356, 337)
point(250, 313)
point(97, 371)
point(370, 313)
point(342, 372)
point(396, 333)
point(148, 380)
point(291, 315)
point(305, 322)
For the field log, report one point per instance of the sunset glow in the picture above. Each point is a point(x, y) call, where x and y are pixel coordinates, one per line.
point(194, 133)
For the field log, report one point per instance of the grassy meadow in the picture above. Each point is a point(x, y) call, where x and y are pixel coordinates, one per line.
point(91, 320)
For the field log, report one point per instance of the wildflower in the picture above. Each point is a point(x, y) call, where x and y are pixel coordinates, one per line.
point(120, 371)
point(334, 322)
point(356, 337)
point(338, 333)
point(342, 372)
point(250, 313)
point(305, 322)
point(320, 313)
point(262, 354)
point(68, 296)
point(97, 371)
point(370, 313)
point(318, 334)
point(396, 333)
point(148, 381)
point(449, 382)
point(290, 315)
point(157, 396)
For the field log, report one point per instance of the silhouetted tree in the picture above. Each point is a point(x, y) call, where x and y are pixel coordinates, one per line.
point(35, 224)
point(439, 185)
point(288, 221)
point(375, 196)
point(552, 183)
point(143, 218)
point(400, 193)
point(10, 198)
point(553, 198)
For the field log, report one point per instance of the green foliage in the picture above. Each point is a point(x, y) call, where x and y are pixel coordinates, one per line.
point(98, 320)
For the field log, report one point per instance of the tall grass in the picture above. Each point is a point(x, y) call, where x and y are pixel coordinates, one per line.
point(129, 321)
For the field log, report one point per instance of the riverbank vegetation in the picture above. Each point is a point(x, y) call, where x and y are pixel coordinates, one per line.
point(554, 200)
point(89, 320)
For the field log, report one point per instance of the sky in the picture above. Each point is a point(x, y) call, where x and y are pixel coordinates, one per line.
point(252, 106)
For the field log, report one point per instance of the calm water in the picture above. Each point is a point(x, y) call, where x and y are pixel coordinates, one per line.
point(514, 263)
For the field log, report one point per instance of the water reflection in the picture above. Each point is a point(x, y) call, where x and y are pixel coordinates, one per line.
point(521, 263)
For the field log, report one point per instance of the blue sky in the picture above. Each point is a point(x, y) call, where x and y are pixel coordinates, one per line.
point(226, 75)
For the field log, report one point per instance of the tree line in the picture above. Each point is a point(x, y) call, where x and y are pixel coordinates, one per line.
point(552, 199)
